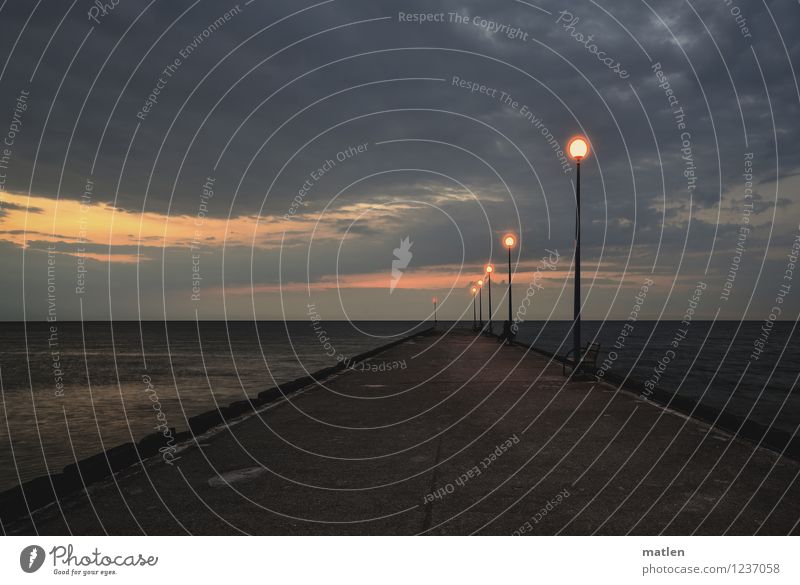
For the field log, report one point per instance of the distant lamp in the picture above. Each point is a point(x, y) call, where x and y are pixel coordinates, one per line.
point(480, 302)
point(474, 290)
point(489, 269)
point(509, 241)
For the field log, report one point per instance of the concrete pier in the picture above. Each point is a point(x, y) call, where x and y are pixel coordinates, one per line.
point(469, 437)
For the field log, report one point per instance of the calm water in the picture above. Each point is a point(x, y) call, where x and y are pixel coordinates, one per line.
point(103, 389)
point(711, 364)
point(104, 394)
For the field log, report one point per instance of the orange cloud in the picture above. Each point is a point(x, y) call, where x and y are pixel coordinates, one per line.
point(27, 219)
point(441, 277)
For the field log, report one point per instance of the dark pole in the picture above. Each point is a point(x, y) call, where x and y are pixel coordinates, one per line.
point(434, 313)
point(509, 286)
point(490, 302)
point(474, 323)
point(577, 308)
point(480, 305)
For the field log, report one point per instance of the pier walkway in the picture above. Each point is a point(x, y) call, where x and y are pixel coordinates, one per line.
point(469, 437)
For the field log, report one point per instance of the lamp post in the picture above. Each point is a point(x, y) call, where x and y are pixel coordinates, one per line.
point(474, 294)
point(434, 311)
point(509, 240)
point(578, 149)
point(489, 269)
point(480, 302)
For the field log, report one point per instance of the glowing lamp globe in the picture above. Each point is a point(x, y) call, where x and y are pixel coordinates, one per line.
point(480, 282)
point(489, 269)
point(578, 147)
point(509, 241)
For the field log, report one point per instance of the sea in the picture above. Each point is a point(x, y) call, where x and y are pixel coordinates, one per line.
point(70, 390)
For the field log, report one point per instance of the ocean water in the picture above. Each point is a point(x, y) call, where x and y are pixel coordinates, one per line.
point(107, 374)
point(709, 362)
point(85, 388)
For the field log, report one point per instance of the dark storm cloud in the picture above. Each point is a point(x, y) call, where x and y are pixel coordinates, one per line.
point(6, 207)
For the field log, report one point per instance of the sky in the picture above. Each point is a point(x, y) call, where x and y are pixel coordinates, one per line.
point(266, 160)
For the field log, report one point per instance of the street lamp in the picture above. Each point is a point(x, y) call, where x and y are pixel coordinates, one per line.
point(578, 149)
point(509, 241)
point(474, 294)
point(489, 269)
point(434, 311)
point(480, 302)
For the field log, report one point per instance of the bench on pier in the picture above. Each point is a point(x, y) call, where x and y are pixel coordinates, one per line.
point(587, 361)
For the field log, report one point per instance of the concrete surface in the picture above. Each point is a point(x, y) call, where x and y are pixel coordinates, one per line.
point(396, 452)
